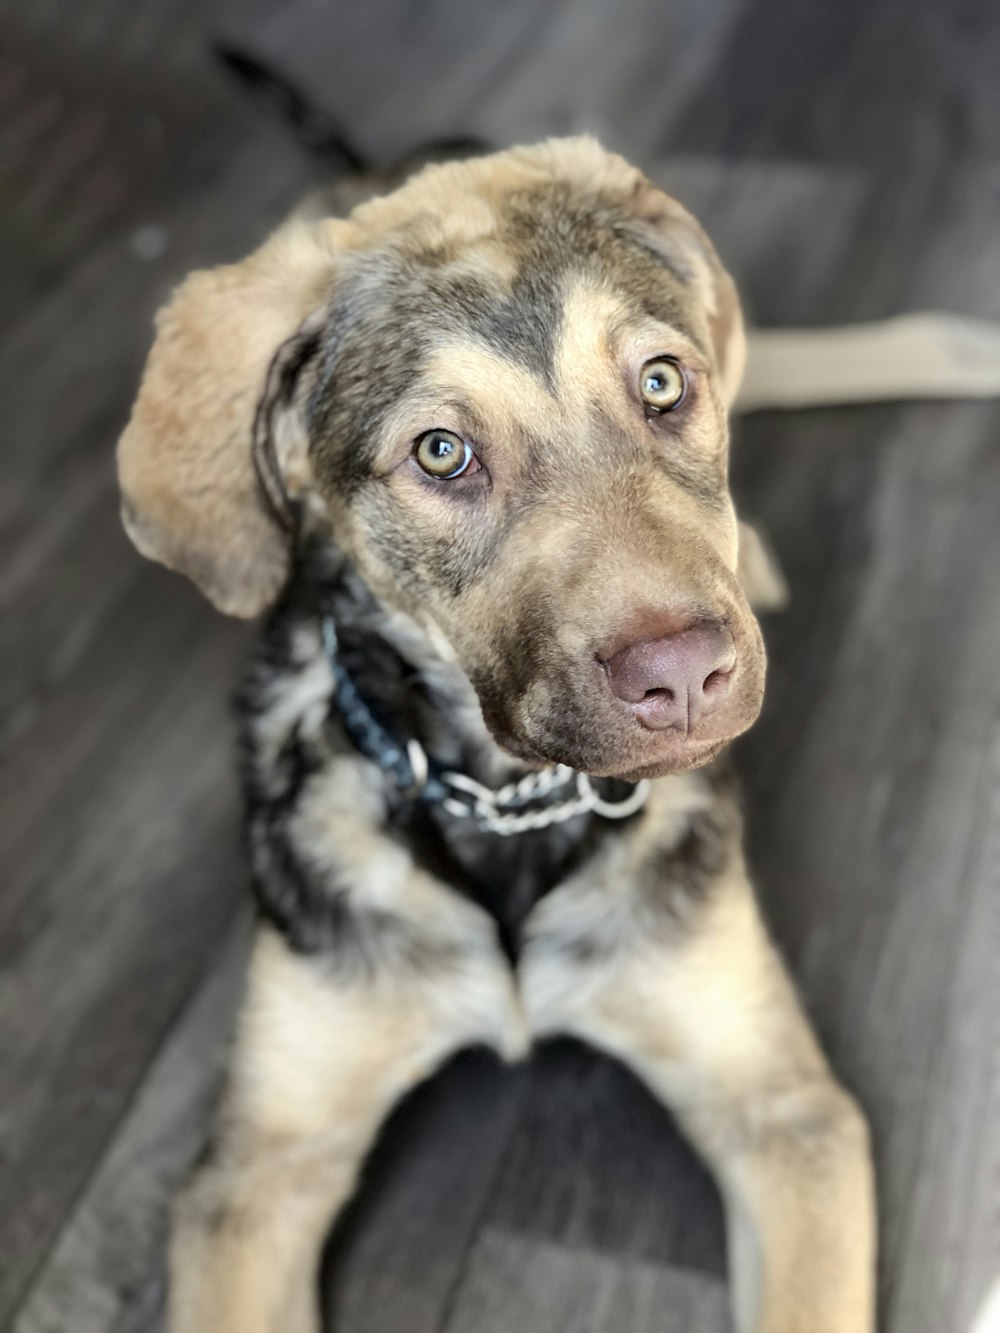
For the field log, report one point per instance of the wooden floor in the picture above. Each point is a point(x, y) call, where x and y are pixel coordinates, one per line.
point(847, 158)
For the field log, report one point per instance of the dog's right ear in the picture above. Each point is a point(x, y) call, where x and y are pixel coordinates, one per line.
point(759, 573)
point(191, 495)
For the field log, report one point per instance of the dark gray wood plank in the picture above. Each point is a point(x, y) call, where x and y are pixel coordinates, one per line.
point(509, 73)
point(399, 1252)
point(595, 1162)
point(123, 866)
point(515, 1281)
point(850, 82)
point(106, 1273)
point(785, 230)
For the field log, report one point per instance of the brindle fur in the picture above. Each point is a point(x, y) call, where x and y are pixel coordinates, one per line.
point(511, 299)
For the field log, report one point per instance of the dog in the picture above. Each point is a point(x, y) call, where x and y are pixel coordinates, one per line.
point(469, 446)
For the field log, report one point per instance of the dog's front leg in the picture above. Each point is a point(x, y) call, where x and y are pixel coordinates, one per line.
point(659, 956)
point(326, 1044)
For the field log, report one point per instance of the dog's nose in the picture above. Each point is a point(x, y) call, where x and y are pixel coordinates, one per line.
point(673, 681)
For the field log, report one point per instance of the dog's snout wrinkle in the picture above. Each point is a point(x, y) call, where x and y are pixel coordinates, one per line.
point(673, 681)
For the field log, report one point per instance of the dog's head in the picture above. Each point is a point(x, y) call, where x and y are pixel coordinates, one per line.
point(503, 388)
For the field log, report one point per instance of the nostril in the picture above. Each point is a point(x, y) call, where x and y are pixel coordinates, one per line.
point(660, 692)
point(716, 681)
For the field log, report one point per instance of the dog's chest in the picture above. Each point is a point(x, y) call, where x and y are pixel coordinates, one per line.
point(506, 876)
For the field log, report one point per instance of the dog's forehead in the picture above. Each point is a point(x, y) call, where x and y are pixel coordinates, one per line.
point(509, 285)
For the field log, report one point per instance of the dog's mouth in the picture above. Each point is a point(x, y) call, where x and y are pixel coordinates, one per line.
point(628, 752)
point(695, 757)
point(679, 758)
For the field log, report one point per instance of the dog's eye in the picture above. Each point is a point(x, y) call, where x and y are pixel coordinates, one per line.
point(444, 455)
point(662, 384)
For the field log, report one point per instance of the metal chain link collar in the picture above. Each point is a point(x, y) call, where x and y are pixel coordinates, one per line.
point(419, 777)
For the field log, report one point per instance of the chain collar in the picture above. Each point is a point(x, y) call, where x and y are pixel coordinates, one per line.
point(535, 801)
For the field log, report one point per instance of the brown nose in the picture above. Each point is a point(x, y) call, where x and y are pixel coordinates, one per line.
point(672, 682)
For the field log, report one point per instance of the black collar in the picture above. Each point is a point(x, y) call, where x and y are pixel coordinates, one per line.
point(535, 801)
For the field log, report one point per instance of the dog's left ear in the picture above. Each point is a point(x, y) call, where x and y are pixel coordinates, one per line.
point(192, 496)
point(681, 241)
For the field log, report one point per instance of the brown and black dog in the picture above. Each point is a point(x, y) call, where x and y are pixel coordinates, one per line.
point(473, 440)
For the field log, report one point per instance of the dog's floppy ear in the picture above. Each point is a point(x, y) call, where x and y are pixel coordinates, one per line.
point(191, 495)
point(759, 573)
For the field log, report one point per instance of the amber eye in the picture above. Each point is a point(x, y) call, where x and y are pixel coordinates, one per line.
point(662, 384)
point(444, 455)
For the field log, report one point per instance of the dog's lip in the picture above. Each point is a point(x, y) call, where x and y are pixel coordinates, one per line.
point(520, 750)
point(690, 758)
point(684, 757)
